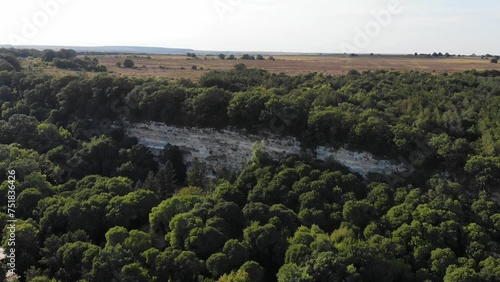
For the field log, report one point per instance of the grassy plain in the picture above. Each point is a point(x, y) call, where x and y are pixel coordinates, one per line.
point(176, 67)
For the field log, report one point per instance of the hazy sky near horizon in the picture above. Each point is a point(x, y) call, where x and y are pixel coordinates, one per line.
point(424, 26)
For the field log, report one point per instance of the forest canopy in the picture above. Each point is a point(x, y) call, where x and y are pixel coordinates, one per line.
point(94, 205)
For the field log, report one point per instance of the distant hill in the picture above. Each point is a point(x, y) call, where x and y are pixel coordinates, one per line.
point(152, 50)
point(111, 49)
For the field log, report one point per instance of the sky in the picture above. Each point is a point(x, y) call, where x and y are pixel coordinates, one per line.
point(314, 26)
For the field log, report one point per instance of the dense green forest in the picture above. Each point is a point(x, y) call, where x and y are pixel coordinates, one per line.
point(94, 205)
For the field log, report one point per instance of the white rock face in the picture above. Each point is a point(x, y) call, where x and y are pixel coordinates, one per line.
point(231, 150)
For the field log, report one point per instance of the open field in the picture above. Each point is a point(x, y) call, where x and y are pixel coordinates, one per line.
point(180, 66)
point(171, 66)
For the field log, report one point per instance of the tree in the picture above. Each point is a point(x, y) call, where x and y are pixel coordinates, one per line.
point(245, 108)
point(26, 234)
point(66, 54)
point(181, 226)
point(108, 264)
point(138, 242)
point(164, 264)
point(197, 175)
point(11, 62)
point(228, 192)
point(484, 208)
point(380, 197)
point(128, 63)
point(254, 270)
point(65, 64)
point(28, 199)
point(204, 241)
point(76, 260)
point(40, 279)
point(48, 55)
point(187, 266)
point(116, 235)
point(161, 216)
point(358, 213)
point(490, 269)
point(297, 254)
point(256, 212)
point(399, 214)
point(23, 129)
point(5, 66)
point(292, 273)
point(494, 61)
point(218, 264)
point(231, 57)
point(166, 181)
point(240, 67)
point(461, 274)
point(260, 57)
point(441, 259)
point(134, 272)
point(209, 108)
point(222, 56)
point(277, 190)
point(247, 57)
point(485, 169)
point(231, 214)
point(236, 252)
point(173, 154)
point(262, 240)
point(328, 124)
point(6, 94)
point(238, 276)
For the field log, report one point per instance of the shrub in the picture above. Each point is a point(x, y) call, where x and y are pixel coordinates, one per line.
point(64, 64)
point(240, 67)
point(128, 63)
point(247, 57)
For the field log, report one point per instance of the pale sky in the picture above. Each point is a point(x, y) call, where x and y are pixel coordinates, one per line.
point(424, 26)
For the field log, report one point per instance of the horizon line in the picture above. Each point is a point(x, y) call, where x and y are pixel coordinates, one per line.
point(42, 47)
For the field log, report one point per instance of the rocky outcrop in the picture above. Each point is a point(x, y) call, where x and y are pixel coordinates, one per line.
point(231, 150)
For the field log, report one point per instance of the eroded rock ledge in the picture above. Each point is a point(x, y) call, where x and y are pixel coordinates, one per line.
point(231, 150)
